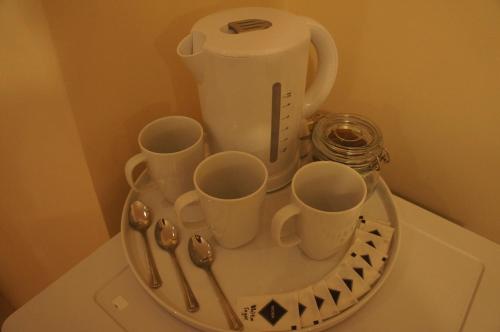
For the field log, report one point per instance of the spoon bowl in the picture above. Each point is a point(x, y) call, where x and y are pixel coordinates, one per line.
point(201, 252)
point(166, 235)
point(139, 216)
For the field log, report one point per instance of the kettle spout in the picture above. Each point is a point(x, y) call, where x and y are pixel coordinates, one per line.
point(190, 49)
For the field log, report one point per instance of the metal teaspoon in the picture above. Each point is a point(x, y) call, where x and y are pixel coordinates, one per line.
point(167, 237)
point(202, 255)
point(139, 219)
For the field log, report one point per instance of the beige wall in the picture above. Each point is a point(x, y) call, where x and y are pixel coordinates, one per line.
point(428, 72)
point(50, 215)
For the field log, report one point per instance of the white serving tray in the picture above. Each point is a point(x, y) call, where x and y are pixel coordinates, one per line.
point(254, 269)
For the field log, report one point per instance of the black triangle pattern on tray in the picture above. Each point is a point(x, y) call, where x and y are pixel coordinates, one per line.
point(359, 270)
point(367, 259)
point(335, 295)
point(348, 283)
point(370, 243)
point(302, 308)
point(342, 291)
point(319, 301)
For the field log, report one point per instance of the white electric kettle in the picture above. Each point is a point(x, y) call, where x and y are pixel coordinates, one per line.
point(250, 65)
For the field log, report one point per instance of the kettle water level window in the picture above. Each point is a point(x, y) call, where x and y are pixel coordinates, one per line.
point(280, 118)
point(275, 121)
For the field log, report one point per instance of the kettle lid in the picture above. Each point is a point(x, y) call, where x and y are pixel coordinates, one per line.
point(251, 31)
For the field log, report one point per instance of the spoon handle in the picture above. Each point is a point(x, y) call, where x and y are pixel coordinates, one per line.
point(231, 317)
point(155, 276)
point(189, 298)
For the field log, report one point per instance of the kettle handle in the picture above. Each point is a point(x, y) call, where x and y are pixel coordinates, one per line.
point(327, 67)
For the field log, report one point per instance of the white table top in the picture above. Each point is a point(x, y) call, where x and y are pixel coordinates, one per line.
point(69, 303)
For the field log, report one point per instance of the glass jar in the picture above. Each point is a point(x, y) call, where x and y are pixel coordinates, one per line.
point(353, 140)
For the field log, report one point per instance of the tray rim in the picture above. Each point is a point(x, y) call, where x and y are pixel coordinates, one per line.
point(390, 209)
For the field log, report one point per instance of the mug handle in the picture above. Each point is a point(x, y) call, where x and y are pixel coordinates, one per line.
point(184, 200)
point(280, 218)
point(129, 168)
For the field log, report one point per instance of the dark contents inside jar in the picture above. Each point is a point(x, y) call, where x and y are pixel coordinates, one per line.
point(347, 137)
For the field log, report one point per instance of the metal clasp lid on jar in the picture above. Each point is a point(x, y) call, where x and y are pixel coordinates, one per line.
point(350, 139)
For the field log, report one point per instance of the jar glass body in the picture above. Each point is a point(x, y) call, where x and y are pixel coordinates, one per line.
point(353, 140)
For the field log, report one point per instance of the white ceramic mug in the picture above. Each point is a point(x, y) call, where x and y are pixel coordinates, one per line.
point(230, 188)
point(325, 204)
point(171, 147)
